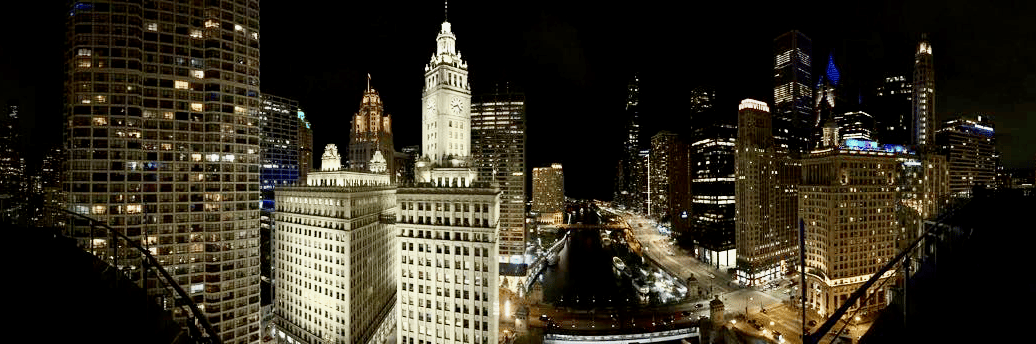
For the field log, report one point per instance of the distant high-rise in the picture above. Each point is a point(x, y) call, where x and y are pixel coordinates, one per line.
point(371, 132)
point(498, 150)
point(848, 203)
point(855, 125)
point(670, 177)
point(755, 195)
point(793, 115)
point(162, 107)
point(626, 192)
point(970, 148)
point(703, 102)
point(548, 193)
point(892, 109)
point(641, 199)
point(336, 257)
point(923, 96)
point(305, 146)
point(711, 220)
point(279, 124)
point(12, 165)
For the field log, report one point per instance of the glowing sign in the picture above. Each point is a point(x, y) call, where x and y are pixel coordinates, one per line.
point(868, 145)
point(858, 144)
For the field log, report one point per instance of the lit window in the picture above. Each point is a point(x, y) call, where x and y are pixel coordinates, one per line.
point(197, 107)
point(180, 84)
point(152, 26)
point(238, 27)
point(211, 23)
point(100, 121)
point(195, 33)
point(84, 63)
point(198, 74)
point(101, 99)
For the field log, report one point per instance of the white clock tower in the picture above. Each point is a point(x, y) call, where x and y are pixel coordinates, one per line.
point(446, 104)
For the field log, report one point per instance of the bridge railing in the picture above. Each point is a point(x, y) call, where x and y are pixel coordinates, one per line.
point(132, 254)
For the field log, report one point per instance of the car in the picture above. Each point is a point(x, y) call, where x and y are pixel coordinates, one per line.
point(685, 313)
point(697, 306)
point(776, 335)
point(544, 317)
point(812, 323)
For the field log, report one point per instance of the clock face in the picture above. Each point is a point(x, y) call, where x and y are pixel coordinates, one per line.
point(457, 105)
point(430, 105)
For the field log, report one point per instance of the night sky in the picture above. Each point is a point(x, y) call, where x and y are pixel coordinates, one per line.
point(573, 61)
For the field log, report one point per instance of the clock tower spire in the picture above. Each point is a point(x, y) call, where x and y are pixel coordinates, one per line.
point(446, 100)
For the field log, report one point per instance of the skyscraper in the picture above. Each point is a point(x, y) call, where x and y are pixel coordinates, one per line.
point(498, 148)
point(670, 177)
point(162, 104)
point(711, 219)
point(793, 115)
point(448, 218)
point(848, 202)
point(855, 125)
point(371, 131)
point(761, 242)
point(924, 96)
point(548, 193)
point(12, 165)
point(627, 190)
point(336, 256)
point(305, 146)
point(279, 125)
point(970, 148)
point(892, 109)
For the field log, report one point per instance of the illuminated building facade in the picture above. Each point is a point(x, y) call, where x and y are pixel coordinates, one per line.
point(923, 97)
point(857, 125)
point(498, 148)
point(848, 205)
point(448, 285)
point(793, 115)
point(758, 240)
point(712, 156)
point(548, 193)
point(336, 260)
point(162, 107)
point(448, 218)
point(446, 119)
point(279, 124)
point(970, 148)
point(670, 177)
point(13, 181)
point(371, 132)
point(641, 187)
point(892, 108)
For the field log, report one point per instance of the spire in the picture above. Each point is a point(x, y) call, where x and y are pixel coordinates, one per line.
point(446, 10)
point(368, 82)
point(832, 70)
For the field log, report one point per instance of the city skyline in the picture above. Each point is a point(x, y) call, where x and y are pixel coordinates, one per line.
point(175, 154)
point(575, 68)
